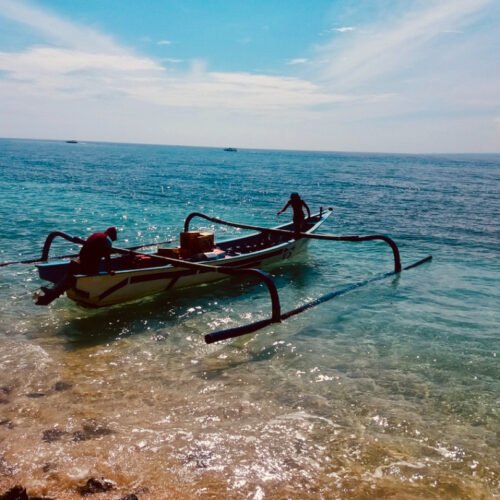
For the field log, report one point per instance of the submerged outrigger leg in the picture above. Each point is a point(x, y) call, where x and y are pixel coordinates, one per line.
point(243, 330)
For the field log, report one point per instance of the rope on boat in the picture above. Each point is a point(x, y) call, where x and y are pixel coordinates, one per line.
point(292, 234)
point(253, 327)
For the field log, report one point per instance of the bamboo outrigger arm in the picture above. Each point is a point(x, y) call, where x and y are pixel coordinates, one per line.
point(256, 273)
point(292, 234)
point(50, 238)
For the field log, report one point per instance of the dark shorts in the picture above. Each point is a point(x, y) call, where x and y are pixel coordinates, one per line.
point(298, 224)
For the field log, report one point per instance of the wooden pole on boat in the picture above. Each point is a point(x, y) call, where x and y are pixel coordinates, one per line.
point(256, 273)
point(46, 248)
point(292, 234)
point(74, 239)
point(262, 276)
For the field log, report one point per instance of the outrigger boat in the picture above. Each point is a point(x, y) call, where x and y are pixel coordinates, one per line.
point(198, 260)
point(135, 275)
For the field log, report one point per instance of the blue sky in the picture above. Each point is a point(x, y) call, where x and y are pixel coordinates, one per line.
point(338, 75)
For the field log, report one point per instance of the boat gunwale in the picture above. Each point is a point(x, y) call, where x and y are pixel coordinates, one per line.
point(229, 260)
point(215, 263)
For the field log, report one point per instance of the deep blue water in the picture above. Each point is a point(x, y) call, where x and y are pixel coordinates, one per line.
point(405, 371)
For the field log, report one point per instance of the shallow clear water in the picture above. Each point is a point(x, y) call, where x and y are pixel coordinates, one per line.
point(390, 390)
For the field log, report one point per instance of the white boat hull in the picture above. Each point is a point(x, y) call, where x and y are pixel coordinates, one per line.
point(124, 286)
point(152, 274)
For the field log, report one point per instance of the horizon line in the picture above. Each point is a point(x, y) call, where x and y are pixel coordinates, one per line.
point(400, 153)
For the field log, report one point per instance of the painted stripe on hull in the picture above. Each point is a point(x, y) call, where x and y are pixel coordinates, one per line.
point(113, 289)
point(105, 298)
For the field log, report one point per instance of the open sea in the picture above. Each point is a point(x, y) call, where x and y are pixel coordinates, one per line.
point(389, 391)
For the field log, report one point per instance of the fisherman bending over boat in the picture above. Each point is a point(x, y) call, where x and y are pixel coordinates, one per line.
point(98, 246)
point(297, 204)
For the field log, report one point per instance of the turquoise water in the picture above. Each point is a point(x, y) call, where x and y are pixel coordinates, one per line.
point(390, 390)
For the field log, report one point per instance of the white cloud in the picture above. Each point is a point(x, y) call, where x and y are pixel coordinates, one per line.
point(427, 76)
point(378, 50)
point(56, 29)
point(164, 42)
point(45, 60)
point(171, 60)
point(299, 60)
point(106, 68)
point(344, 29)
point(55, 72)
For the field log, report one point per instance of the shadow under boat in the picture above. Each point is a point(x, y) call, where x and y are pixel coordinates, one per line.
point(164, 312)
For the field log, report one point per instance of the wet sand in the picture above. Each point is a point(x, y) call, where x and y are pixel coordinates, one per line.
point(241, 422)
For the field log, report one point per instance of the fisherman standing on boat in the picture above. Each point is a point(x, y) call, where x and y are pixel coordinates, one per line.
point(297, 203)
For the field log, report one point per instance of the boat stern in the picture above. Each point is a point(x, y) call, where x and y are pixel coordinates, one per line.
point(53, 271)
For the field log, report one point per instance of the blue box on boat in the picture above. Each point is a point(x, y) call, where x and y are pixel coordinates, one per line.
point(215, 254)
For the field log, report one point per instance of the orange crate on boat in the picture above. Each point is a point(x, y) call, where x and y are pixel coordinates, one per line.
point(195, 242)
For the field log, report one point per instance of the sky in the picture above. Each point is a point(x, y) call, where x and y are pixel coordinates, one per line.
point(406, 76)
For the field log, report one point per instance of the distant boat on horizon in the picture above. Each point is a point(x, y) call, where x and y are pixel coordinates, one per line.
point(72, 142)
point(231, 149)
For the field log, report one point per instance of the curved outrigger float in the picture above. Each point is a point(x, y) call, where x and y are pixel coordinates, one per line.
point(136, 274)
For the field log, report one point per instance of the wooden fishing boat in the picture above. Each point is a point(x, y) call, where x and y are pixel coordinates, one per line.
point(137, 275)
